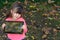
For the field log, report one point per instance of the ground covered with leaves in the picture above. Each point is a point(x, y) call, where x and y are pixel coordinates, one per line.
point(42, 17)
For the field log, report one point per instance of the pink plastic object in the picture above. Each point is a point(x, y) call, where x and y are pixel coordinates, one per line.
point(18, 36)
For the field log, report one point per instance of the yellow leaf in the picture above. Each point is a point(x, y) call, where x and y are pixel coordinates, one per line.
point(32, 37)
